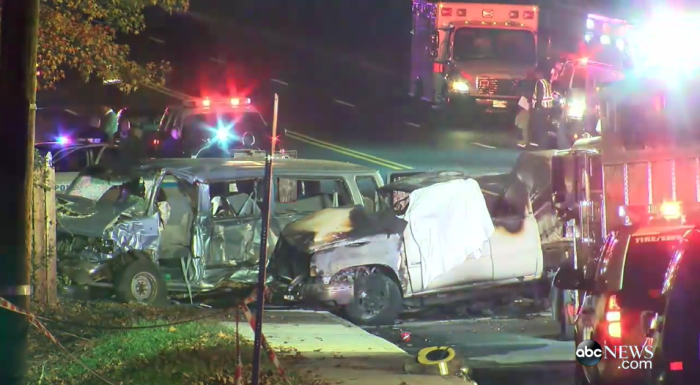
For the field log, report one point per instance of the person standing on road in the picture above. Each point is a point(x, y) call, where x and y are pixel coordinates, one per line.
point(109, 122)
point(535, 102)
point(131, 144)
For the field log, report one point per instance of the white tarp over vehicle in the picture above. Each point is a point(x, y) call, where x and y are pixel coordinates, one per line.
point(447, 223)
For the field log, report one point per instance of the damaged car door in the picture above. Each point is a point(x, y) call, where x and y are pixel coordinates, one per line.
point(235, 232)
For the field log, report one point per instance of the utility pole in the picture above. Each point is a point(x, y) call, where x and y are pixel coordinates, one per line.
point(262, 263)
point(18, 48)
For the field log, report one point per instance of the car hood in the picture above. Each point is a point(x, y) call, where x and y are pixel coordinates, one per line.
point(339, 226)
point(82, 216)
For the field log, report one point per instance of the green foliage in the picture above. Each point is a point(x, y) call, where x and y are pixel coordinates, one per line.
point(81, 35)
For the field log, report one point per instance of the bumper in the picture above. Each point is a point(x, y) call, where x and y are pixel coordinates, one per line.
point(319, 293)
point(488, 104)
point(81, 272)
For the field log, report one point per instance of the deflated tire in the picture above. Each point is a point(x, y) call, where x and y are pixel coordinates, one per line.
point(378, 300)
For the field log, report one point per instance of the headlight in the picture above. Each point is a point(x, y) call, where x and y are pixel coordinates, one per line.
point(460, 87)
point(576, 108)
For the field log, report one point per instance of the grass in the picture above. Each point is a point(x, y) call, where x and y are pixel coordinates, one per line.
point(201, 353)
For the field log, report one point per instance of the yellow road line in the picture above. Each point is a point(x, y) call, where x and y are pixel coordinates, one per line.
point(340, 151)
point(347, 151)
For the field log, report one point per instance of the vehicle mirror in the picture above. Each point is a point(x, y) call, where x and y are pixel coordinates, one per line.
point(568, 278)
point(287, 190)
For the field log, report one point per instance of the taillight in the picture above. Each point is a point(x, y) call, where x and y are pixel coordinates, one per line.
point(675, 366)
point(613, 316)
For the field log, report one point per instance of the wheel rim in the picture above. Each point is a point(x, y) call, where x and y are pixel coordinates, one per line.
point(372, 299)
point(143, 286)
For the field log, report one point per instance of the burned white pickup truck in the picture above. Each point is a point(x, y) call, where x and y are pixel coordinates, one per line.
point(447, 236)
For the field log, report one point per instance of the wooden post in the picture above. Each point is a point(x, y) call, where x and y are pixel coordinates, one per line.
point(44, 233)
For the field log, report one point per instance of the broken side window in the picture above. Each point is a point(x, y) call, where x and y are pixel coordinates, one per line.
point(368, 189)
point(317, 194)
point(236, 198)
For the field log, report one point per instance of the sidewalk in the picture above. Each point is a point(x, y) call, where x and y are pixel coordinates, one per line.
point(340, 351)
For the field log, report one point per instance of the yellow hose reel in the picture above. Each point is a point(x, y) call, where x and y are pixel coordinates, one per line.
point(437, 355)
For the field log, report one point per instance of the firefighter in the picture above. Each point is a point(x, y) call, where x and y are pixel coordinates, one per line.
point(535, 101)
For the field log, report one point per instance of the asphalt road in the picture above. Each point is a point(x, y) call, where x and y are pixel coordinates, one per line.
point(517, 351)
point(332, 106)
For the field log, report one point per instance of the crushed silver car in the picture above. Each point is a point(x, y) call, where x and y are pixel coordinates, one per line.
point(190, 225)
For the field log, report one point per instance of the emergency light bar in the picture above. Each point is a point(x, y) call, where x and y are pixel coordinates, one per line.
point(207, 102)
point(666, 210)
point(488, 13)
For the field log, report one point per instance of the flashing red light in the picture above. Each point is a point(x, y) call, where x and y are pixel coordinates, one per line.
point(487, 13)
point(613, 316)
point(446, 12)
point(529, 15)
point(156, 142)
point(206, 102)
point(466, 76)
point(676, 366)
point(462, 12)
point(513, 14)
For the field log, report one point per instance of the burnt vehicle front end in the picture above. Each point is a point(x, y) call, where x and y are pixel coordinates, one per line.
point(103, 222)
point(322, 255)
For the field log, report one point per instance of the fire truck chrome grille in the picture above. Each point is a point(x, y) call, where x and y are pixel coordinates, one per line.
point(490, 86)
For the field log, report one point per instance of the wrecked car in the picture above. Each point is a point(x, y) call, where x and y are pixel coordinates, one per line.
point(185, 226)
point(446, 236)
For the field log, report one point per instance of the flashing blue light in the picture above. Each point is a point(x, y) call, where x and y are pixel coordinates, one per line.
point(223, 134)
point(63, 140)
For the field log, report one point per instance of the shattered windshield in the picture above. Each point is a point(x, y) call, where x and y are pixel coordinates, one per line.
point(108, 188)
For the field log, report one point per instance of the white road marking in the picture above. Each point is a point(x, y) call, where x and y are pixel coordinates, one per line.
point(71, 112)
point(279, 82)
point(413, 124)
point(155, 39)
point(217, 60)
point(482, 145)
point(343, 103)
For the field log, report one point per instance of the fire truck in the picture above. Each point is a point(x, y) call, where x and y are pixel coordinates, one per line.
point(647, 156)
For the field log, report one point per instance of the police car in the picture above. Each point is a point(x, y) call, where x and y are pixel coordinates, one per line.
point(210, 122)
point(70, 157)
point(674, 334)
point(617, 288)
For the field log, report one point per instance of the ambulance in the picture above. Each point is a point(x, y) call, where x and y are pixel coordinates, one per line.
point(472, 55)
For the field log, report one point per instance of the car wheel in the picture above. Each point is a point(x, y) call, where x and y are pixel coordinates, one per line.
point(378, 300)
point(566, 330)
point(140, 281)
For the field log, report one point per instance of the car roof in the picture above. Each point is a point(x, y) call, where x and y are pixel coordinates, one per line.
point(205, 170)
